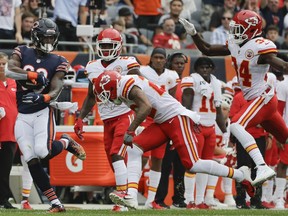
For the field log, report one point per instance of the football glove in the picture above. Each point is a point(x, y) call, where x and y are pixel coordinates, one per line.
point(189, 27)
point(128, 138)
point(78, 128)
point(38, 78)
point(35, 98)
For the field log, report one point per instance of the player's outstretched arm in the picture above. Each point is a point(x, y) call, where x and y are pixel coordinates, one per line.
point(203, 46)
point(274, 61)
point(88, 103)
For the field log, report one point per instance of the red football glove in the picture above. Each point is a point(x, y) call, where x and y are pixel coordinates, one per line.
point(128, 138)
point(78, 128)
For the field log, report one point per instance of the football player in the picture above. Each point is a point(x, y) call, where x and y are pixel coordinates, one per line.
point(202, 94)
point(171, 121)
point(109, 46)
point(167, 79)
point(39, 75)
point(251, 56)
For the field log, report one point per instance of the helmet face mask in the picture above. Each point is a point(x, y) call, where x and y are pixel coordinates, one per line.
point(109, 44)
point(44, 35)
point(245, 25)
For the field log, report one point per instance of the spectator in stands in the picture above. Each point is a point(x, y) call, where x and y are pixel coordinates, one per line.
point(176, 7)
point(149, 13)
point(119, 25)
point(9, 16)
point(216, 17)
point(186, 12)
point(167, 39)
point(208, 8)
point(28, 20)
point(126, 14)
point(8, 114)
point(272, 14)
point(284, 45)
point(272, 33)
point(220, 34)
point(67, 20)
point(40, 8)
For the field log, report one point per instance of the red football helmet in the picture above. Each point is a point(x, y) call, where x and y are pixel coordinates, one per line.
point(109, 44)
point(106, 85)
point(245, 25)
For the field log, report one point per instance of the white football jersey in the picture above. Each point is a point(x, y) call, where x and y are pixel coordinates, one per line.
point(207, 96)
point(251, 75)
point(164, 106)
point(167, 80)
point(122, 65)
point(282, 95)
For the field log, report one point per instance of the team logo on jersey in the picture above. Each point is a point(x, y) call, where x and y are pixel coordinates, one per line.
point(249, 54)
point(118, 68)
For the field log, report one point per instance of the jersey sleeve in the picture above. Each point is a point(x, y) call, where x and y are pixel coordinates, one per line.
point(188, 82)
point(130, 62)
point(265, 46)
point(126, 86)
point(63, 65)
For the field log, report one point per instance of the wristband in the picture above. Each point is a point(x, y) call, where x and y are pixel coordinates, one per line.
point(32, 75)
point(47, 98)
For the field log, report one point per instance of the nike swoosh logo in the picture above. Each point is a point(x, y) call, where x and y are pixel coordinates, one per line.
point(37, 98)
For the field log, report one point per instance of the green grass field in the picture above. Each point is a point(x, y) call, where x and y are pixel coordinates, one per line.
point(75, 212)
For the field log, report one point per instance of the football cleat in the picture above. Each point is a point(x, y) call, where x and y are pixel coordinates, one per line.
point(118, 208)
point(74, 147)
point(264, 173)
point(191, 205)
point(229, 200)
point(124, 199)
point(26, 205)
point(202, 206)
point(56, 208)
point(154, 205)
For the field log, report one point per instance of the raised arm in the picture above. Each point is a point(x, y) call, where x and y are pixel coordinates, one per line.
point(143, 107)
point(274, 61)
point(203, 46)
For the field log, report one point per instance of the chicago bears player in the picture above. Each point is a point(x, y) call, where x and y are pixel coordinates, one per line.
point(251, 56)
point(108, 47)
point(39, 75)
point(171, 121)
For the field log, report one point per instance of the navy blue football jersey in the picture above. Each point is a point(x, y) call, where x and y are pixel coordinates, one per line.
point(49, 64)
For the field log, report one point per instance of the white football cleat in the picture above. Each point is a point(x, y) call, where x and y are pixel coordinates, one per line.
point(264, 173)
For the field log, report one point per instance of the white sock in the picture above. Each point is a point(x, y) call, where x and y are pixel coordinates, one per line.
point(211, 185)
point(227, 185)
point(280, 187)
point(201, 183)
point(248, 143)
point(154, 179)
point(120, 172)
point(213, 168)
point(189, 182)
point(134, 169)
point(27, 180)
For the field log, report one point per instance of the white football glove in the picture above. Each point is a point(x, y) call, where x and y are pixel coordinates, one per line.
point(189, 27)
point(2, 112)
